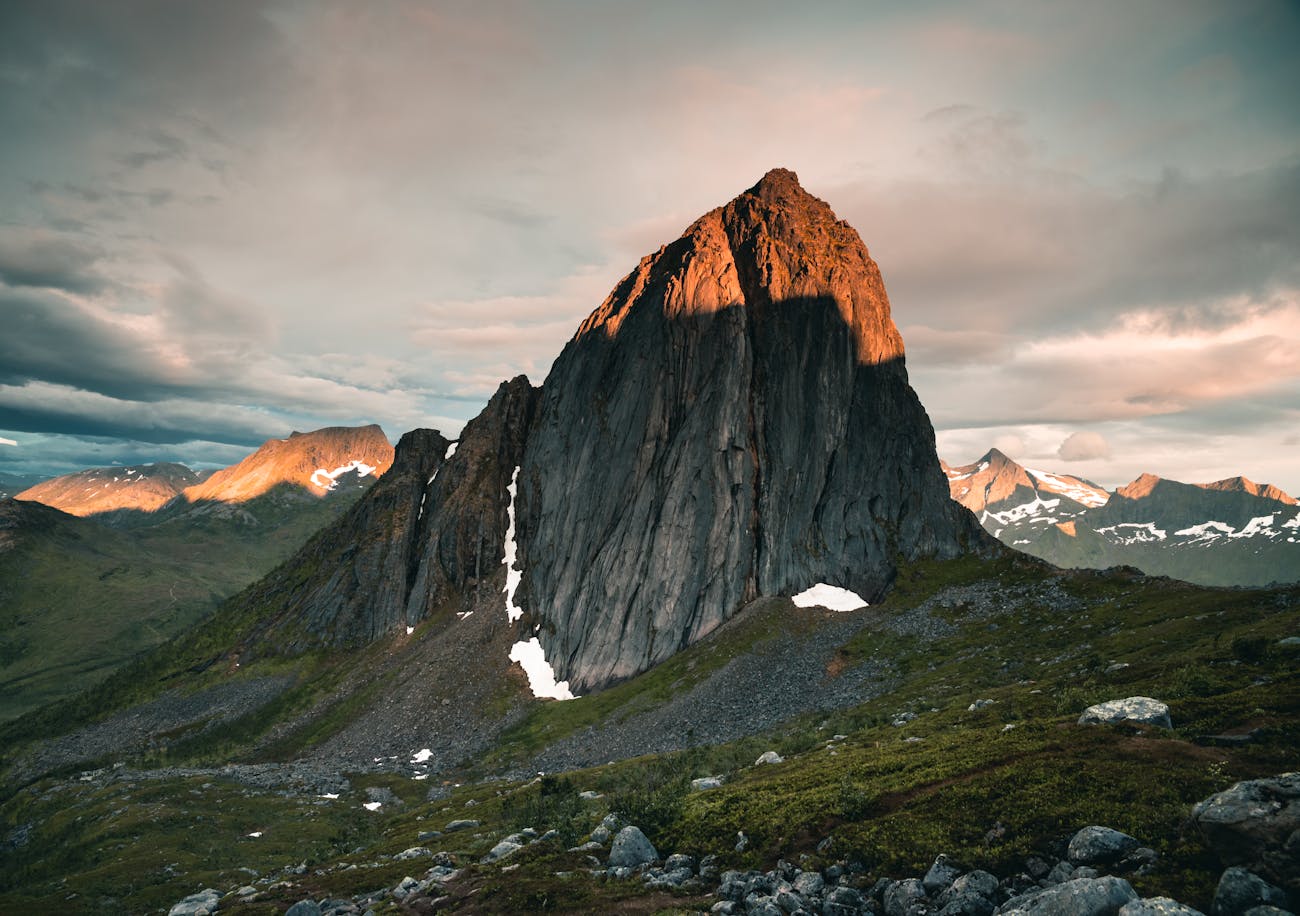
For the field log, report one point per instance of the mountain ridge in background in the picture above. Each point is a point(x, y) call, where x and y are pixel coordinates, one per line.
point(1229, 532)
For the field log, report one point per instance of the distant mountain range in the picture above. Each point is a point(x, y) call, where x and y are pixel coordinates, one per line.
point(1229, 532)
point(100, 565)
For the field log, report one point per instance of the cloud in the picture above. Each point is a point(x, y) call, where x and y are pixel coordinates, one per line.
point(40, 259)
point(1083, 446)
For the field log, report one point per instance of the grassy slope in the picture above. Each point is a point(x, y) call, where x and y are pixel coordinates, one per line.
point(80, 600)
point(886, 802)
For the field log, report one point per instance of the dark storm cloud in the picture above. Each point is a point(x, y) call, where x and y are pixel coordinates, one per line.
point(36, 259)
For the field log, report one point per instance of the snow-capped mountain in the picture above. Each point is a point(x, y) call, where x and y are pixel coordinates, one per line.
point(1229, 532)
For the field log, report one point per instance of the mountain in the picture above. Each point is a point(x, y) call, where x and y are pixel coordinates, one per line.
point(318, 462)
point(79, 598)
point(1231, 532)
point(142, 487)
point(734, 421)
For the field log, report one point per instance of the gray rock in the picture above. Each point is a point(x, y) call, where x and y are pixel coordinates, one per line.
point(631, 848)
point(601, 834)
point(461, 824)
point(414, 852)
point(809, 884)
point(1265, 909)
point(941, 874)
point(679, 860)
point(406, 887)
point(1239, 891)
point(1254, 824)
point(1060, 873)
point(1077, 897)
point(971, 894)
point(979, 704)
point(843, 901)
point(1139, 710)
point(706, 782)
point(769, 757)
point(1100, 846)
point(726, 908)
point(203, 903)
point(507, 847)
point(901, 895)
point(766, 319)
point(1157, 906)
point(304, 908)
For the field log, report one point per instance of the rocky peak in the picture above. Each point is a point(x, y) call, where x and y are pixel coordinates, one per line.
point(733, 421)
point(1140, 488)
point(313, 462)
point(773, 248)
point(1244, 485)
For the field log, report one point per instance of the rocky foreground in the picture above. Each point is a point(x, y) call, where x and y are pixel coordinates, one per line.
point(1253, 827)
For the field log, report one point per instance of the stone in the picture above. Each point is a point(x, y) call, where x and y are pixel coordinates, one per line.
point(769, 757)
point(809, 884)
point(414, 852)
point(304, 908)
point(1254, 824)
point(462, 824)
point(631, 849)
point(1157, 906)
point(706, 782)
point(507, 847)
point(971, 894)
point(979, 704)
point(1077, 897)
point(717, 355)
point(679, 860)
point(203, 903)
point(843, 901)
point(940, 876)
point(901, 895)
point(1138, 710)
point(601, 834)
point(1099, 846)
point(1240, 890)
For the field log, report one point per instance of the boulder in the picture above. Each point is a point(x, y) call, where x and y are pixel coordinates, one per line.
point(461, 824)
point(706, 782)
point(1157, 906)
point(1100, 846)
point(972, 894)
point(631, 849)
point(769, 757)
point(1076, 897)
point(941, 874)
point(1254, 824)
point(901, 895)
point(507, 847)
point(1138, 710)
point(1240, 891)
point(201, 904)
point(304, 908)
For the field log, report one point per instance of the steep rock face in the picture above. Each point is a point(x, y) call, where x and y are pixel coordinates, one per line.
point(142, 487)
point(734, 421)
point(425, 535)
point(314, 461)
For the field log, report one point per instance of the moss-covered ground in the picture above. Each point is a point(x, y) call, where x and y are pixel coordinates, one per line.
point(987, 785)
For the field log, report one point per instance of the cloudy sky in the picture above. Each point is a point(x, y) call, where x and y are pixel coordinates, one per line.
point(223, 221)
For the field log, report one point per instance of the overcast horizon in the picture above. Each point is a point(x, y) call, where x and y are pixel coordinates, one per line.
point(223, 222)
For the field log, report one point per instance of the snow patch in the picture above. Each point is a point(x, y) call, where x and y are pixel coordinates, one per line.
point(422, 755)
point(541, 676)
point(1071, 489)
point(513, 576)
point(830, 597)
point(1261, 525)
point(330, 795)
point(373, 806)
point(327, 480)
point(1021, 512)
point(255, 834)
point(1206, 530)
point(463, 614)
point(410, 630)
point(1135, 533)
point(451, 450)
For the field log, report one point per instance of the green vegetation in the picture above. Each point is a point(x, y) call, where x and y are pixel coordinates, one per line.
point(988, 785)
point(79, 600)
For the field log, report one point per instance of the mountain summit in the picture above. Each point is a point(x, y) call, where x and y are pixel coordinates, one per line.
point(733, 422)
